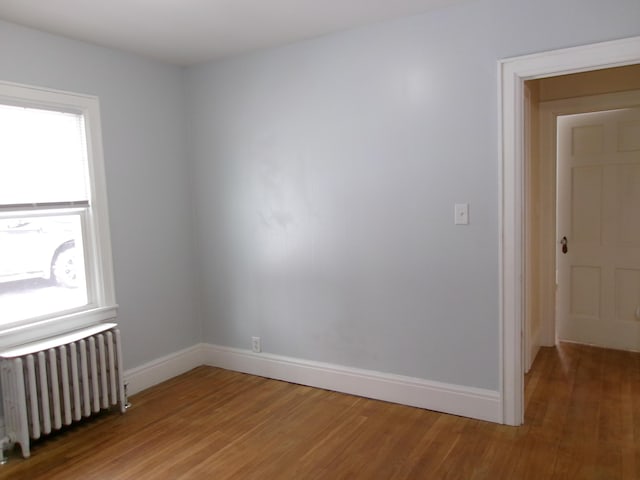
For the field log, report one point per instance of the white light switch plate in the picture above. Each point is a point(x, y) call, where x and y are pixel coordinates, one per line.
point(461, 214)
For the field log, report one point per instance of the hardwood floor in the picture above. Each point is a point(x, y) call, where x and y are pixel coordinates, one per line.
point(582, 421)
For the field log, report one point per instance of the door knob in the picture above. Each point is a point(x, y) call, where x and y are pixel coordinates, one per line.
point(564, 243)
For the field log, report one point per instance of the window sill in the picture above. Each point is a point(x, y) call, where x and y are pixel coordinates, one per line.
point(42, 329)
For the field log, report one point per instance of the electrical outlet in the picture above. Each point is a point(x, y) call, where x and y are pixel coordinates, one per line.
point(255, 344)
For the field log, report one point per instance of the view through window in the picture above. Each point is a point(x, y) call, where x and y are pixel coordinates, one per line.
point(45, 203)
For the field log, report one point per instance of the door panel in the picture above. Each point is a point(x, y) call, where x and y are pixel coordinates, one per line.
point(626, 198)
point(586, 203)
point(585, 285)
point(629, 136)
point(627, 294)
point(599, 213)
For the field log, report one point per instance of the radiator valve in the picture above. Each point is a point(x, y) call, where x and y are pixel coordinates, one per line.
point(126, 396)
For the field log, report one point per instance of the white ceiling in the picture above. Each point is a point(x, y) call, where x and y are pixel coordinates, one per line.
point(186, 32)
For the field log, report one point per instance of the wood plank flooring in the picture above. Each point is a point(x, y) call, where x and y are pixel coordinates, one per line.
point(582, 421)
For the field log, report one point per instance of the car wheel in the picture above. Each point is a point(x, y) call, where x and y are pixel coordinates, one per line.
point(64, 267)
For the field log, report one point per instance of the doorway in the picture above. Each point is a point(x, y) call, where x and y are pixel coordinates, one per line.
point(547, 101)
point(513, 73)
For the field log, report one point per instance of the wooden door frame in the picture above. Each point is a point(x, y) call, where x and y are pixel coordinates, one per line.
point(512, 74)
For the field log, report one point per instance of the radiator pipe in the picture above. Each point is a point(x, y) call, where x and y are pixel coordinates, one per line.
point(127, 404)
point(4, 442)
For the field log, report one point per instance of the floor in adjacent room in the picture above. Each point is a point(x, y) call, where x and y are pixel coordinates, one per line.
point(582, 421)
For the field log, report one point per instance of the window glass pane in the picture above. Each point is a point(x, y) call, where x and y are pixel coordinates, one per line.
point(41, 266)
point(43, 156)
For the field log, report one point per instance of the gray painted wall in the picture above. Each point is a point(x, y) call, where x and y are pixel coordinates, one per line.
point(326, 175)
point(143, 121)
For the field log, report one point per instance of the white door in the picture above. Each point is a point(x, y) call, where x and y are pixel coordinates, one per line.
point(599, 216)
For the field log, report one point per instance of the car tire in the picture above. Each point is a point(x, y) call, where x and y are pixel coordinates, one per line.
point(64, 267)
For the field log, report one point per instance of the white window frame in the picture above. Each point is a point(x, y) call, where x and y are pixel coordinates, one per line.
point(101, 305)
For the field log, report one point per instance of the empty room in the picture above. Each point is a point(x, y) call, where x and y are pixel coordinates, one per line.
point(300, 239)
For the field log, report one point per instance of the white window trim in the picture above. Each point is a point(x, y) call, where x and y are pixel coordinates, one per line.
point(99, 263)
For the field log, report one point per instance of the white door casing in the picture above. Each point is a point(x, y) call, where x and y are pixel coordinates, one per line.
point(531, 334)
point(527, 338)
point(599, 216)
point(512, 74)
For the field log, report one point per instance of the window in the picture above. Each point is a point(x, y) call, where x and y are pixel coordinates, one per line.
point(55, 253)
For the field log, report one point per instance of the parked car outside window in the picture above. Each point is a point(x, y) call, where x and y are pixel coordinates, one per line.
point(39, 247)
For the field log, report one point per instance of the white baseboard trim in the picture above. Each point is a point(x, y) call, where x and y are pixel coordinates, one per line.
point(164, 368)
point(442, 397)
